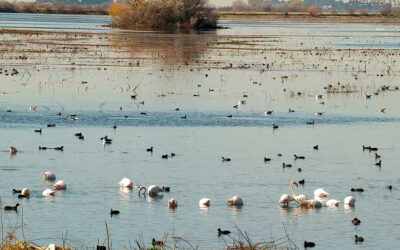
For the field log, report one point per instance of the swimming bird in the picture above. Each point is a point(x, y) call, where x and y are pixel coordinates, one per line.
point(173, 154)
point(51, 125)
point(296, 157)
point(379, 163)
point(142, 102)
point(38, 131)
point(223, 232)
point(183, 117)
point(332, 203)
point(291, 110)
point(366, 147)
point(358, 238)
point(126, 183)
point(315, 147)
point(302, 182)
point(286, 199)
point(106, 140)
point(389, 187)
point(308, 244)
point(226, 159)
point(266, 159)
point(25, 192)
point(349, 200)
point(319, 192)
point(60, 185)
point(154, 190)
point(61, 148)
point(274, 126)
point(373, 149)
point(73, 118)
point(155, 242)
point(49, 176)
point(204, 203)
point(235, 201)
point(356, 221)
point(13, 150)
point(310, 122)
point(357, 190)
point(15, 191)
point(268, 112)
point(173, 203)
point(48, 192)
point(164, 156)
point(113, 212)
point(166, 189)
point(78, 134)
point(286, 165)
point(229, 116)
point(382, 110)
point(299, 170)
point(32, 108)
point(319, 113)
point(368, 96)
point(150, 149)
point(11, 208)
point(114, 126)
point(377, 156)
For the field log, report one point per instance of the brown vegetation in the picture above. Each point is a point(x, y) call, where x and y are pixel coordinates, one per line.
point(50, 8)
point(314, 11)
point(161, 14)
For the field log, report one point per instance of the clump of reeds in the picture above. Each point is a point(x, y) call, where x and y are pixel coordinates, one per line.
point(163, 14)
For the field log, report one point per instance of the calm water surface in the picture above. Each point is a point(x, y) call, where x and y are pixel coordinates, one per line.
point(92, 172)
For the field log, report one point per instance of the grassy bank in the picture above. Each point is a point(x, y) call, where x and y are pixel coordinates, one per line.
point(49, 8)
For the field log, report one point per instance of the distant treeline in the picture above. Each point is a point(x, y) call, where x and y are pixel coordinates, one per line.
point(53, 8)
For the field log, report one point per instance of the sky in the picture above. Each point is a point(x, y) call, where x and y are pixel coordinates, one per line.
point(219, 3)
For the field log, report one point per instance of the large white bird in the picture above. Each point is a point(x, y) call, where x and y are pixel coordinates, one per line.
point(235, 201)
point(26, 192)
point(60, 185)
point(311, 203)
point(286, 199)
point(173, 203)
point(204, 203)
point(154, 190)
point(300, 198)
point(349, 200)
point(126, 183)
point(48, 192)
point(49, 176)
point(332, 203)
point(319, 192)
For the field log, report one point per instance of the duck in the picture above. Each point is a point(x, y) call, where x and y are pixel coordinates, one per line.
point(274, 126)
point(320, 192)
point(150, 149)
point(319, 113)
point(12, 208)
point(166, 189)
point(184, 117)
point(204, 203)
point(52, 125)
point(377, 156)
point(25, 192)
point(310, 122)
point(268, 112)
point(113, 212)
point(296, 157)
point(13, 150)
point(48, 192)
point(379, 163)
point(126, 183)
point(358, 238)
point(357, 190)
point(164, 156)
point(315, 147)
point(226, 159)
point(38, 131)
point(155, 242)
point(172, 203)
point(78, 134)
point(16, 191)
point(235, 201)
point(49, 176)
point(389, 187)
point(308, 244)
point(349, 201)
point(356, 221)
point(286, 165)
point(332, 203)
point(61, 148)
point(114, 126)
point(223, 232)
point(291, 110)
point(60, 185)
point(106, 140)
point(366, 147)
point(299, 170)
point(42, 148)
point(154, 190)
point(266, 159)
point(382, 110)
point(302, 182)
point(32, 108)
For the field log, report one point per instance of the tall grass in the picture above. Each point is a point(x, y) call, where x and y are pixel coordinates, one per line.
point(50, 8)
point(163, 14)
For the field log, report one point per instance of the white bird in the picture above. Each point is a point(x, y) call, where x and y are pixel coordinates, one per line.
point(173, 203)
point(26, 192)
point(204, 203)
point(235, 201)
point(349, 200)
point(300, 198)
point(126, 183)
point(33, 108)
point(48, 192)
point(49, 176)
point(382, 110)
point(332, 203)
point(286, 199)
point(153, 190)
point(319, 192)
point(60, 185)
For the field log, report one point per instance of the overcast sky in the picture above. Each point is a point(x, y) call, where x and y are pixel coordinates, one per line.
point(221, 2)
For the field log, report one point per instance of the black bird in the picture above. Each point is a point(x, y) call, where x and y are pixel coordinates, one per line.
point(81, 137)
point(310, 122)
point(299, 170)
point(366, 147)
point(173, 154)
point(21, 196)
point(266, 159)
point(155, 242)
point(10, 208)
point(183, 117)
point(279, 155)
point(235, 106)
point(356, 221)
point(296, 157)
point(358, 238)
point(114, 212)
point(133, 97)
point(274, 126)
point(226, 159)
point(291, 110)
point(378, 164)
point(166, 189)
point(99, 247)
point(51, 125)
point(389, 187)
point(357, 190)
point(367, 96)
point(150, 149)
point(302, 182)
point(286, 165)
point(38, 131)
point(78, 134)
point(15, 191)
point(42, 148)
point(223, 232)
point(143, 113)
point(177, 109)
point(164, 156)
point(229, 116)
point(308, 244)
point(316, 147)
point(115, 126)
point(61, 148)
point(377, 156)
